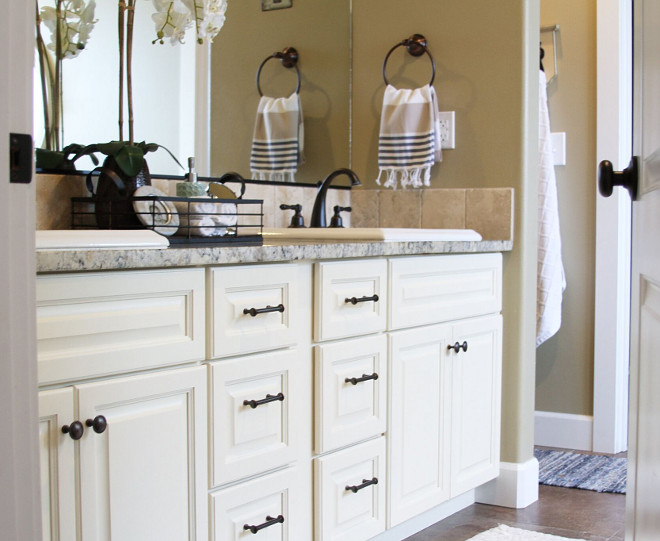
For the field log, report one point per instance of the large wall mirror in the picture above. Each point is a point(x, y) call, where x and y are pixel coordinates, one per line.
point(197, 102)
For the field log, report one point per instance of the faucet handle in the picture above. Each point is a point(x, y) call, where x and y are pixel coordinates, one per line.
point(297, 219)
point(336, 220)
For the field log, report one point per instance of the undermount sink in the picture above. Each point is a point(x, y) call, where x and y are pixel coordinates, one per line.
point(382, 234)
point(99, 239)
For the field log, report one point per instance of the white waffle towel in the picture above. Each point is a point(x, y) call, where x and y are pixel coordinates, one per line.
point(409, 140)
point(551, 281)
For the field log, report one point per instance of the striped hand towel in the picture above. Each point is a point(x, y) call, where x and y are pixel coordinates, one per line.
point(409, 140)
point(277, 144)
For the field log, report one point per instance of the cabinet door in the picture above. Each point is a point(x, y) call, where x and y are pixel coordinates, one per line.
point(476, 399)
point(261, 413)
point(419, 421)
point(277, 505)
point(145, 476)
point(351, 391)
point(57, 455)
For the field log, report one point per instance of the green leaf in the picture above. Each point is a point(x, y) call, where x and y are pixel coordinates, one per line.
point(130, 159)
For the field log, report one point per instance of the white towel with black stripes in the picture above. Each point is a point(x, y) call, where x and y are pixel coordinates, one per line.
point(278, 141)
point(409, 139)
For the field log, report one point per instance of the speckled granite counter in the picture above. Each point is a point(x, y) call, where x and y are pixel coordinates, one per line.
point(88, 260)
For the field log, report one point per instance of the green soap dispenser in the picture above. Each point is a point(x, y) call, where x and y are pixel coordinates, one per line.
point(191, 188)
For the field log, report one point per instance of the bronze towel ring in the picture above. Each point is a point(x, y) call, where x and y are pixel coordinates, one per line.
point(289, 59)
point(416, 45)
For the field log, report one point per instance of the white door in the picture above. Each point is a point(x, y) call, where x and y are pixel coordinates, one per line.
point(643, 495)
point(19, 455)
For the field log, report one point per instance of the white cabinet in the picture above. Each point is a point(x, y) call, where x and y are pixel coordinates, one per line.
point(261, 411)
point(350, 391)
point(148, 461)
point(276, 506)
point(350, 492)
point(103, 323)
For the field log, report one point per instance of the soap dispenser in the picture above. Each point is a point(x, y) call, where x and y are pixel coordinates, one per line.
point(191, 188)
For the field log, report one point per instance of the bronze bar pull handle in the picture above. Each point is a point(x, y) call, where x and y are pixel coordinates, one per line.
point(355, 300)
point(255, 311)
point(457, 347)
point(270, 521)
point(269, 398)
point(365, 484)
point(365, 377)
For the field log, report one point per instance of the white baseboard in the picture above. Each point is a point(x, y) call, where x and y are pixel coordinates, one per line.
point(426, 519)
point(564, 430)
point(517, 485)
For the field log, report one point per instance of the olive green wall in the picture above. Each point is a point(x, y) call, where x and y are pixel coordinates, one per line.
point(564, 368)
point(486, 56)
point(320, 31)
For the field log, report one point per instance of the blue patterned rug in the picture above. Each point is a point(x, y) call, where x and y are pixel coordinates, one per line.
point(600, 473)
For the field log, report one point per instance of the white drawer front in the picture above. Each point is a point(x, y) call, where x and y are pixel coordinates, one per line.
point(349, 506)
point(277, 295)
point(250, 437)
point(105, 323)
point(350, 298)
point(442, 288)
point(257, 502)
point(353, 410)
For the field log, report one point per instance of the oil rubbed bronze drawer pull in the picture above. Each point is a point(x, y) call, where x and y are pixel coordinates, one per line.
point(269, 398)
point(270, 521)
point(457, 347)
point(365, 377)
point(365, 484)
point(256, 311)
point(355, 300)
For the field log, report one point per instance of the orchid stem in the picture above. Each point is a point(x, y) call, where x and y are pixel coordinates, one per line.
point(120, 32)
point(129, 67)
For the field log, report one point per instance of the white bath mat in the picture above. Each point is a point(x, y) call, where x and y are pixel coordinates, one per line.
point(506, 533)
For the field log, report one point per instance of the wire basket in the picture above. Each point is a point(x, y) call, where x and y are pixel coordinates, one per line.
point(183, 220)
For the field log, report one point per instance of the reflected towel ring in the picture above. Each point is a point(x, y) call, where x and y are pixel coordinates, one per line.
point(416, 45)
point(289, 59)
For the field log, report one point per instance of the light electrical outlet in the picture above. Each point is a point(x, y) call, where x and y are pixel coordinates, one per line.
point(447, 133)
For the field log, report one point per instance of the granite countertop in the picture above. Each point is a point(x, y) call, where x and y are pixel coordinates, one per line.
point(192, 256)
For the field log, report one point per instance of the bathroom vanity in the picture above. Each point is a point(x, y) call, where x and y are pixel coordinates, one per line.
point(297, 391)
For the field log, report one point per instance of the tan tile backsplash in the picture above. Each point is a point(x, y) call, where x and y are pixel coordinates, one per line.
point(488, 211)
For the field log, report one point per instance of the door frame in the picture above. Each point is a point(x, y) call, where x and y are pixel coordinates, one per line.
point(613, 228)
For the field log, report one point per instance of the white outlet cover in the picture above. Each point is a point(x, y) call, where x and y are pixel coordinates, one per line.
point(447, 132)
point(558, 148)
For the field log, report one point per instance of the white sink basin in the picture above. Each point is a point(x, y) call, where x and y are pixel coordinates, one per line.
point(99, 239)
point(369, 234)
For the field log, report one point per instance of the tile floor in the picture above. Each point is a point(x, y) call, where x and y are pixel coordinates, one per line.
point(567, 512)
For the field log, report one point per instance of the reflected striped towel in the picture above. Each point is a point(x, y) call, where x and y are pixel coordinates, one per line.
point(277, 144)
point(409, 140)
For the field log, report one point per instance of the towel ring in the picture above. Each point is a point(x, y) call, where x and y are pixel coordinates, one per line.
point(288, 58)
point(416, 45)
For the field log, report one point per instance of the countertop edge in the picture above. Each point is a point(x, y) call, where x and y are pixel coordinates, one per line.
point(194, 256)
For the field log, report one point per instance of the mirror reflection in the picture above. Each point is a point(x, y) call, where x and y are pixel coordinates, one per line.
point(173, 108)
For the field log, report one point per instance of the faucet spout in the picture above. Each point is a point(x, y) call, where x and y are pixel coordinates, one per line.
point(318, 212)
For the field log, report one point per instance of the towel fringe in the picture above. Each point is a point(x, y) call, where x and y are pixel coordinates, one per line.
point(285, 175)
point(409, 177)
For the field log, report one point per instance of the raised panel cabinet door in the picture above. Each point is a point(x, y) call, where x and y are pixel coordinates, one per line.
point(351, 391)
point(103, 323)
point(57, 454)
point(258, 307)
point(434, 289)
point(418, 430)
point(350, 298)
point(261, 413)
point(145, 476)
point(350, 488)
point(476, 402)
point(274, 507)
